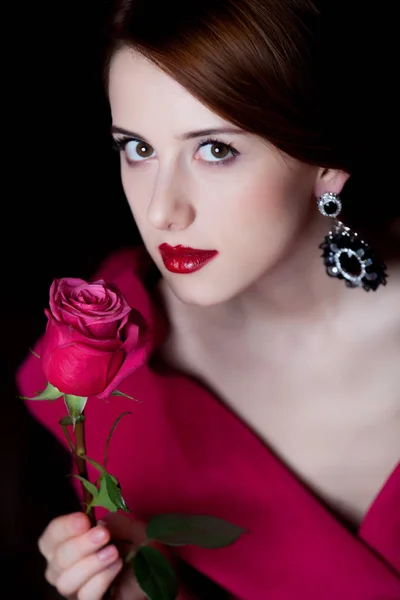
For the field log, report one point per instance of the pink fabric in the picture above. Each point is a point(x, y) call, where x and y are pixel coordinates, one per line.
point(183, 450)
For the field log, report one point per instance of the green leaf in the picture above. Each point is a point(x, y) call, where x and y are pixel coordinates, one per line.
point(89, 486)
point(154, 574)
point(75, 406)
point(114, 492)
point(112, 485)
point(111, 434)
point(200, 530)
point(68, 421)
point(49, 393)
point(117, 393)
point(102, 498)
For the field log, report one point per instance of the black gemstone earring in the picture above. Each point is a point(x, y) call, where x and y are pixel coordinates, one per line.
point(345, 255)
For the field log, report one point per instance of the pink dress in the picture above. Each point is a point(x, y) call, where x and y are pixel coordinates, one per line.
point(183, 450)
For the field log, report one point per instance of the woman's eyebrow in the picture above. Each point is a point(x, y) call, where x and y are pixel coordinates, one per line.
point(184, 136)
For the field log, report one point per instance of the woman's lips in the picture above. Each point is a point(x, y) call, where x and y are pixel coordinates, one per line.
point(181, 259)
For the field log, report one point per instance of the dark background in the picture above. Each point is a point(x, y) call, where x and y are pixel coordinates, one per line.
point(62, 211)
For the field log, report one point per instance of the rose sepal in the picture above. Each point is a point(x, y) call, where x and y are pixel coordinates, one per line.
point(75, 406)
point(118, 393)
point(49, 393)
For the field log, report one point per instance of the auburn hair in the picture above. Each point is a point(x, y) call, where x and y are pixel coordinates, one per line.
point(290, 71)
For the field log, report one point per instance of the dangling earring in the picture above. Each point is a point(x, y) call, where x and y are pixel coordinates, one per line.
point(345, 255)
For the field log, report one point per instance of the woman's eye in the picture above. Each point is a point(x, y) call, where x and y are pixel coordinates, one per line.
point(216, 151)
point(137, 151)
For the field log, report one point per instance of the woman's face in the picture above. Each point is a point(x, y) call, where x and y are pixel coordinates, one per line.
point(217, 207)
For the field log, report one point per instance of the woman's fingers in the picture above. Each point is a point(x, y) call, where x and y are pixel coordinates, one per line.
point(82, 561)
point(103, 565)
point(70, 552)
point(59, 530)
point(97, 586)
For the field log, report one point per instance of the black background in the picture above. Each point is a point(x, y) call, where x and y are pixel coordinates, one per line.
point(63, 210)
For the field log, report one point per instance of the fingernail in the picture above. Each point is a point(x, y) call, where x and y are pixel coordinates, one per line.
point(115, 565)
point(98, 534)
point(108, 553)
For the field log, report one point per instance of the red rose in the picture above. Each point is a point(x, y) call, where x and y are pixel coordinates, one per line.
point(93, 338)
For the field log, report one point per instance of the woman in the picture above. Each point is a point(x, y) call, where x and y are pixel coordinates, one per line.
point(272, 389)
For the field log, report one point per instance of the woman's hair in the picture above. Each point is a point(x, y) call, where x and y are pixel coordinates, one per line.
point(294, 72)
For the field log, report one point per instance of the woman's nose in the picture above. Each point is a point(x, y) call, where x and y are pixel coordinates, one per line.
point(170, 206)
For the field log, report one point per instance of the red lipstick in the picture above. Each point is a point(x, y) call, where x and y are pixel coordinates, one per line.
point(181, 259)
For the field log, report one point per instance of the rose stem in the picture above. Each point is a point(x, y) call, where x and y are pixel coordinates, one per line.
point(80, 450)
point(68, 438)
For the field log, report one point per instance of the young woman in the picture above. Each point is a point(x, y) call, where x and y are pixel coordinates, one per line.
point(271, 396)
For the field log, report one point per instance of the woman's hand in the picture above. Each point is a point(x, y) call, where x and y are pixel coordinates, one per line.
point(82, 564)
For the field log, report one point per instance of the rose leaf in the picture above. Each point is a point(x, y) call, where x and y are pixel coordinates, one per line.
point(103, 498)
point(114, 492)
point(88, 485)
point(154, 574)
point(200, 530)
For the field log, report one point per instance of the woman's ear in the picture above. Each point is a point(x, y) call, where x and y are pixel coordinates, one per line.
point(330, 180)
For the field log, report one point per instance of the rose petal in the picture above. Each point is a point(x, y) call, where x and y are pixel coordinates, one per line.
point(103, 330)
point(135, 356)
point(93, 339)
point(86, 306)
point(80, 370)
point(59, 289)
point(59, 334)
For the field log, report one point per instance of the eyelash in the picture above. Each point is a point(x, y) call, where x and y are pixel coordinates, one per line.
point(119, 144)
point(219, 163)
